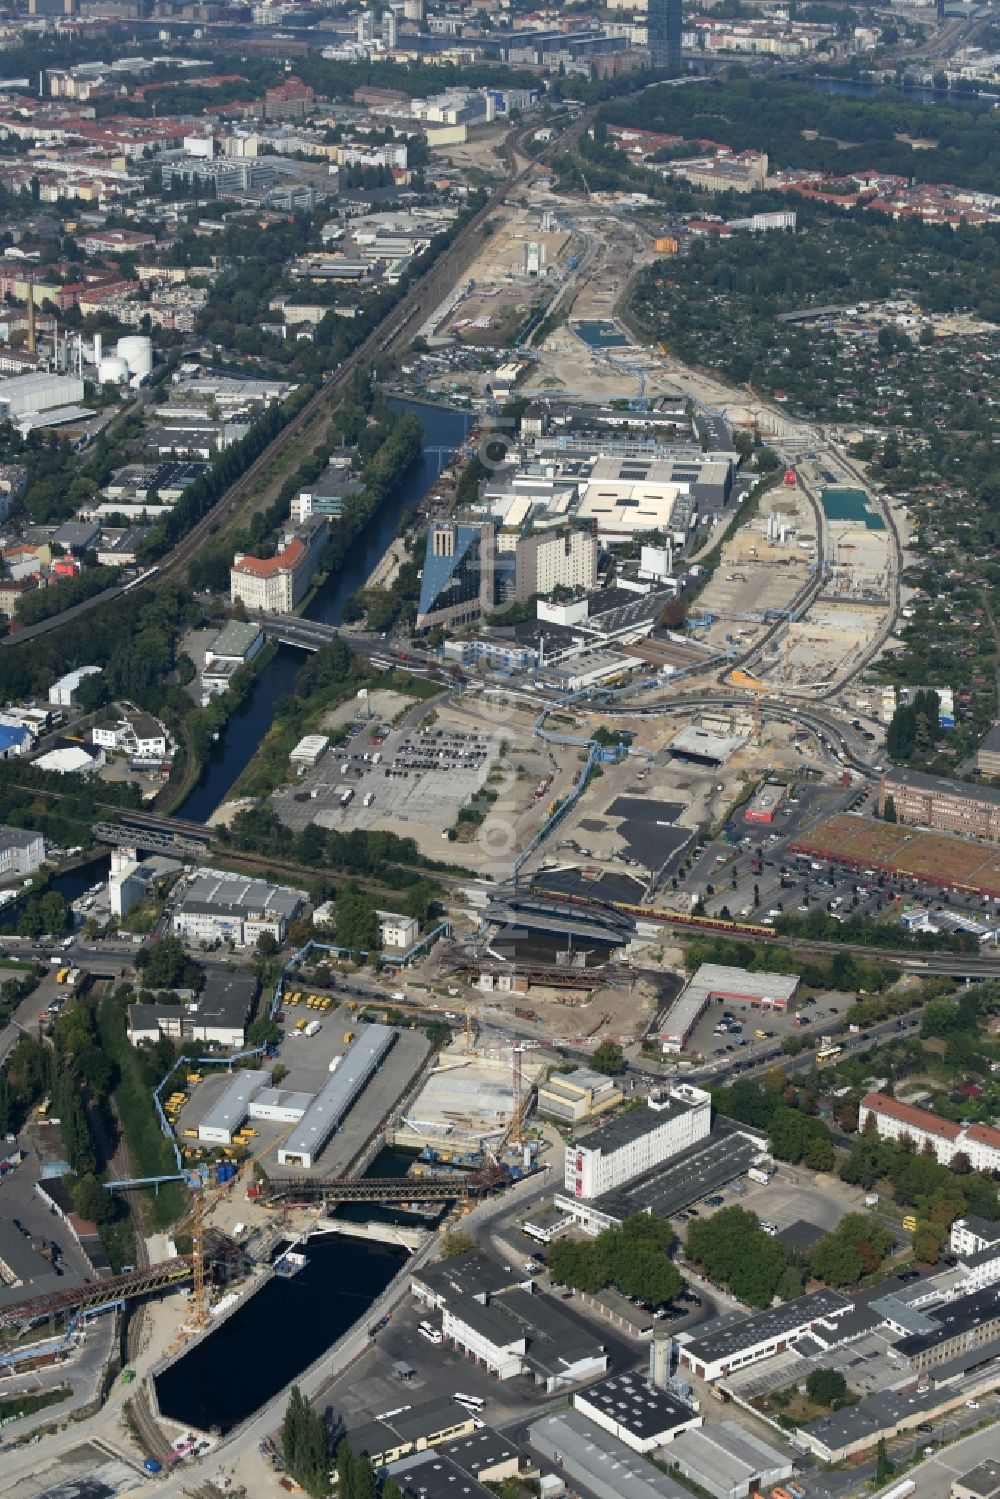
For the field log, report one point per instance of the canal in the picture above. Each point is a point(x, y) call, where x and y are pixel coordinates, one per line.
point(444, 431)
point(276, 1334)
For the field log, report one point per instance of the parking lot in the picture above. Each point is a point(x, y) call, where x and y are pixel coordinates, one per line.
point(384, 778)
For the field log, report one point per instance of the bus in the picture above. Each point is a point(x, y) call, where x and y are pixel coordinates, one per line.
point(828, 1054)
point(470, 1402)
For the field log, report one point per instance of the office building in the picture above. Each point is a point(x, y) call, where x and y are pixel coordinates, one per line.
point(22, 851)
point(228, 908)
point(948, 806)
point(396, 931)
point(623, 1149)
point(546, 560)
point(219, 1015)
point(414, 1429)
point(138, 735)
point(275, 585)
point(458, 583)
point(663, 32)
point(574, 1097)
point(978, 1143)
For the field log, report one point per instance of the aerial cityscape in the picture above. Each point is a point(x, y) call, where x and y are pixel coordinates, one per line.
point(500, 749)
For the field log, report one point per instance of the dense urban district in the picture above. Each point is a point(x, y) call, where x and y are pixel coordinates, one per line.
point(500, 749)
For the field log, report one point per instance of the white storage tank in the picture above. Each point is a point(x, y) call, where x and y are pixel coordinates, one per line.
point(112, 371)
point(137, 351)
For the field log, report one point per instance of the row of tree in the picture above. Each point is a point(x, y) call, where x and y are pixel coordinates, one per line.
point(633, 1258)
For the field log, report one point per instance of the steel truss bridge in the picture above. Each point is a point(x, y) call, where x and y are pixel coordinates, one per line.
point(384, 1189)
point(96, 1295)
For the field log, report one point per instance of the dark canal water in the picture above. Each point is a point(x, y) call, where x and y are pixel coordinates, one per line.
point(444, 431)
point(279, 1332)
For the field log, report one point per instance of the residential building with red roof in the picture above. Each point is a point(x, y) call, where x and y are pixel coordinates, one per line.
point(894, 1120)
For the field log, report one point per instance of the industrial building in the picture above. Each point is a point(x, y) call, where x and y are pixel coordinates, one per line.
point(947, 806)
point(229, 908)
point(578, 1095)
point(623, 1149)
point(733, 1341)
point(894, 1120)
point(729, 1462)
point(636, 1412)
point(722, 984)
point(23, 395)
point(22, 851)
point(764, 803)
point(594, 1462)
point(62, 693)
point(335, 1100)
point(230, 1109)
point(519, 1332)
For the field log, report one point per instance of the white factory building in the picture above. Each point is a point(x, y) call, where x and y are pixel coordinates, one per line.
point(979, 1143)
point(22, 851)
point(23, 395)
point(626, 1147)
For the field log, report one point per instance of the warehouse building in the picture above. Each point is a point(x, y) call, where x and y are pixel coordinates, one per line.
point(230, 1109)
point(624, 1148)
point(723, 984)
point(598, 1463)
point(636, 1412)
point(728, 1461)
point(988, 753)
point(337, 1097)
point(978, 1143)
point(734, 1341)
point(958, 1326)
point(947, 806)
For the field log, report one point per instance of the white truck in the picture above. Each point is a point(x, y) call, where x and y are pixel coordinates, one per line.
point(347, 796)
point(313, 1028)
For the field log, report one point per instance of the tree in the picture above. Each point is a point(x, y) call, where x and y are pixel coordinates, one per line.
point(889, 809)
point(267, 945)
point(884, 1467)
point(305, 1442)
point(826, 1387)
point(607, 1058)
point(836, 1261)
point(457, 1242)
point(92, 1201)
point(165, 965)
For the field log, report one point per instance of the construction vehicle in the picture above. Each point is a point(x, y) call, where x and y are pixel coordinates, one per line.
point(300, 1025)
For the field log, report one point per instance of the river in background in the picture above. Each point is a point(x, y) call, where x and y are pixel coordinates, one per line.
point(444, 431)
point(851, 88)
